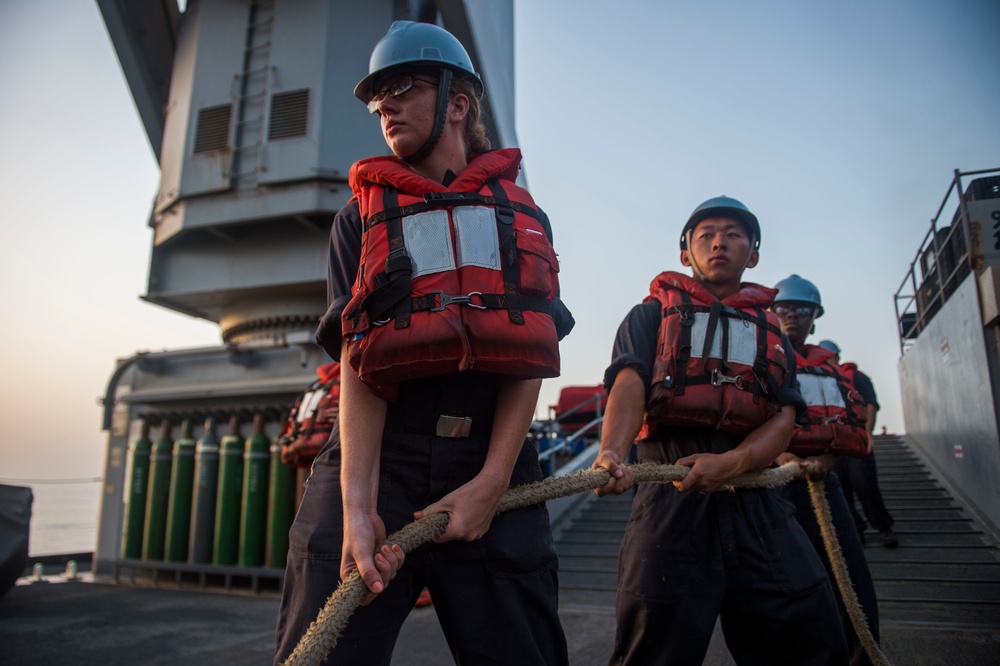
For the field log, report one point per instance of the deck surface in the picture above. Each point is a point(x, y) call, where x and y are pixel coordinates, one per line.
point(939, 596)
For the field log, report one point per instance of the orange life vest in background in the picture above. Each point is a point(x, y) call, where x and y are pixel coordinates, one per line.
point(835, 417)
point(718, 363)
point(451, 278)
point(312, 418)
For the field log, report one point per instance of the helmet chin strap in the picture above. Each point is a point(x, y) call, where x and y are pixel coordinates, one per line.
point(440, 112)
point(694, 264)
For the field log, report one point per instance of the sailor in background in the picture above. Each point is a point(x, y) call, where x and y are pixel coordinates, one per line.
point(859, 476)
point(832, 426)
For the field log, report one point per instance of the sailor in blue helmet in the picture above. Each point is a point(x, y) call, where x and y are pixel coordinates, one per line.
point(859, 476)
point(830, 427)
point(702, 377)
point(418, 292)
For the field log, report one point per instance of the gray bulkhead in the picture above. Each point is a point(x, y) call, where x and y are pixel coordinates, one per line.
point(950, 337)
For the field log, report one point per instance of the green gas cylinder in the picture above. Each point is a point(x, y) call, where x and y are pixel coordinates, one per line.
point(138, 487)
point(227, 505)
point(179, 508)
point(253, 522)
point(281, 509)
point(206, 487)
point(158, 497)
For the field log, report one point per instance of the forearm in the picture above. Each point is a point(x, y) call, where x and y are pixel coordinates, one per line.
point(624, 414)
point(871, 412)
point(764, 444)
point(361, 422)
point(511, 421)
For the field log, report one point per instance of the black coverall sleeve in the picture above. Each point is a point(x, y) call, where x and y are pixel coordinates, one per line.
point(635, 344)
point(341, 271)
point(863, 383)
point(561, 316)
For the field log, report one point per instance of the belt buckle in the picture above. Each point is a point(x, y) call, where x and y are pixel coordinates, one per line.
point(454, 427)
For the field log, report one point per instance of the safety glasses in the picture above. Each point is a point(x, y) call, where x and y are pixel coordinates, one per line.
point(797, 310)
point(394, 89)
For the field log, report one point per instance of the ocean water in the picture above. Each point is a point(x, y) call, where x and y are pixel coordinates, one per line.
point(64, 517)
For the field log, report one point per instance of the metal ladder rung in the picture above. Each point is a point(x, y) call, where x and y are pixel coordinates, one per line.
point(257, 47)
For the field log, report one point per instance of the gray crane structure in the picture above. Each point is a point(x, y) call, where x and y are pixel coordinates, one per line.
point(248, 107)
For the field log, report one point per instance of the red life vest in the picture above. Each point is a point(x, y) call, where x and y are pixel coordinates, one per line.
point(718, 363)
point(312, 418)
point(835, 417)
point(451, 278)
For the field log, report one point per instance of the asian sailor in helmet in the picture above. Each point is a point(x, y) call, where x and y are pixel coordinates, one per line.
point(701, 376)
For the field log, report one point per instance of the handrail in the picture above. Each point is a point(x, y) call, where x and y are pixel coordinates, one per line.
point(938, 281)
point(565, 442)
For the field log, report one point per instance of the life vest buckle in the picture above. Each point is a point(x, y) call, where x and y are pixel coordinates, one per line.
point(446, 300)
point(443, 197)
point(718, 379)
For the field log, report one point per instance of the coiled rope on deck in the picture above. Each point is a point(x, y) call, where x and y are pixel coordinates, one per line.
point(325, 630)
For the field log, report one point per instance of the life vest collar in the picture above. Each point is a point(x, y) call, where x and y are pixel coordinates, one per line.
point(815, 355)
point(750, 294)
point(393, 172)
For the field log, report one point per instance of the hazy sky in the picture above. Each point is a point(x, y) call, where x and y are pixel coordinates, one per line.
point(838, 124)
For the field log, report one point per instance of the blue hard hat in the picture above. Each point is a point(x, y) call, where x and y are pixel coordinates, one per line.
point(723, 207)
point(795, 288)
point(831, 345)
point(417, 45)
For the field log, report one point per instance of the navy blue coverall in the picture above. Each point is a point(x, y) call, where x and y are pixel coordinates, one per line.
point(689, 558)
point(859, 476)
point(497, 597)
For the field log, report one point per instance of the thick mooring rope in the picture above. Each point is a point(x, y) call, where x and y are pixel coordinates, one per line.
point(325, 630)
point(825, 519)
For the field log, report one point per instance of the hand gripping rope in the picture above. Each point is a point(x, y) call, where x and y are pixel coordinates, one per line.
point(326, 629)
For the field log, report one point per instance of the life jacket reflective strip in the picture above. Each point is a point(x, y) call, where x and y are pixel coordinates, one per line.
point(719, 363)
point(451, 278)
point(312, 418)
point(835, 417)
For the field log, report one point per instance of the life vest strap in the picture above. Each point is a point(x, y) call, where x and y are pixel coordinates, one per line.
point(845, 394)
point(726, 311)
point(437, 200)
point(717, 378)
point(508, 252)
point(389, 299)
point(686, 312)
point(437, 301)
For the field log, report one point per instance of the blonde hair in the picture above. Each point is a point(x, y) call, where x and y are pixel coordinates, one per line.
point(476, 141)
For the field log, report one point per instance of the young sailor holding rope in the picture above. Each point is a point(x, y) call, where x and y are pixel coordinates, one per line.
point(444, 310)
point(703, 370)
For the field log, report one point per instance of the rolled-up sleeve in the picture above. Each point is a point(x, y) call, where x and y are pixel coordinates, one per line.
point(635, 344)
point(341, 271)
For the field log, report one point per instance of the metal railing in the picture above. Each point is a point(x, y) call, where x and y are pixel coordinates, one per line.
point(553, 430)
point(945, 258)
